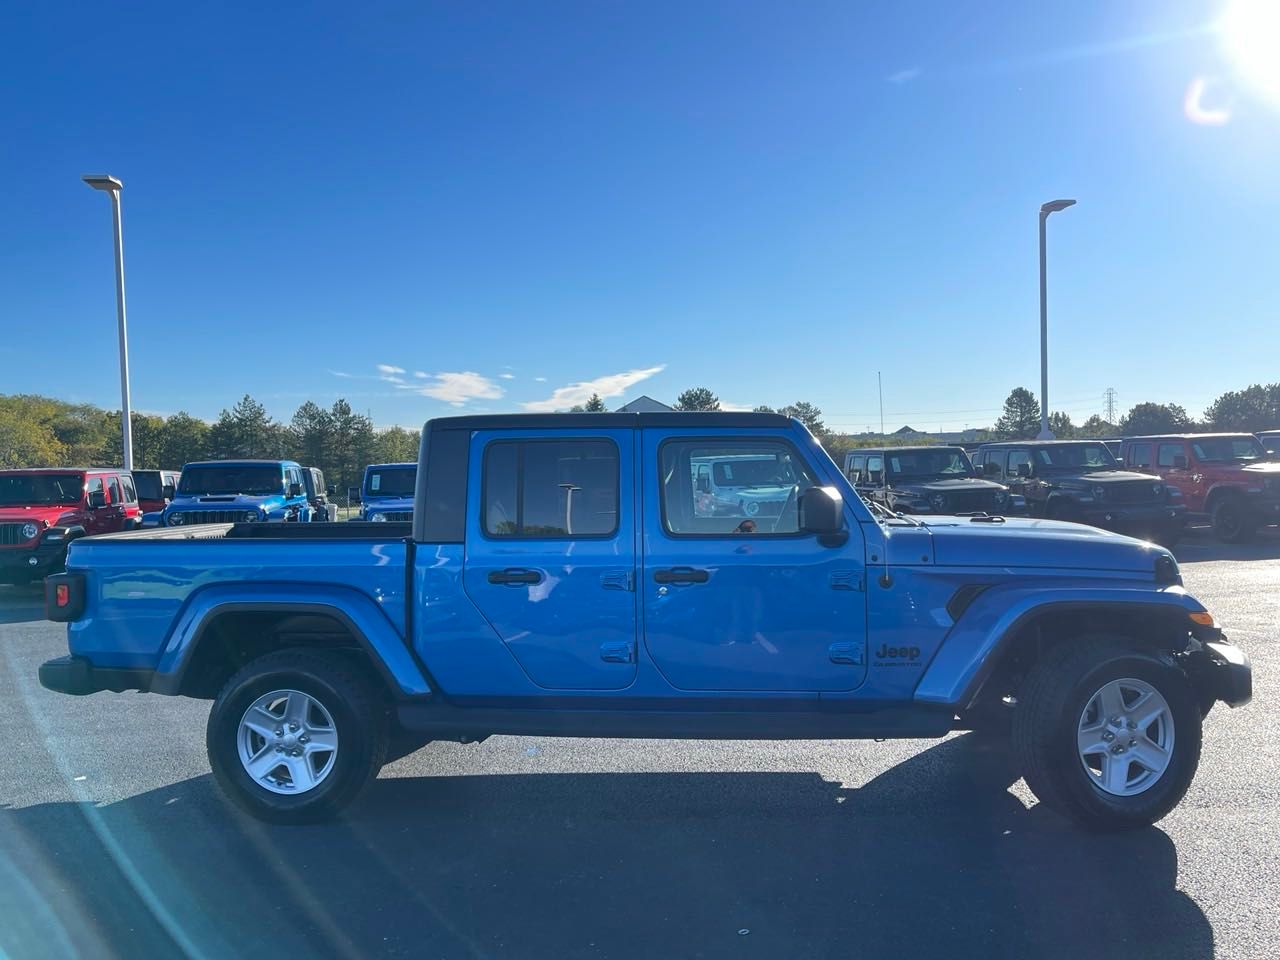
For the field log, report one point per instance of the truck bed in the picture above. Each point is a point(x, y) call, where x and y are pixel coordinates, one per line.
point(348, 530)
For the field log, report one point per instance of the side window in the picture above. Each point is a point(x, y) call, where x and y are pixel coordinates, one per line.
point(130, 494)
point(1016, 459)
point(995, 458)
point(113, 485)
point(755, 486)
point(856, 468)
point(95, 486)
point(875, 469)
point(978, 459)
point(1140, 455)
point(1167, 451)
point(541, 489)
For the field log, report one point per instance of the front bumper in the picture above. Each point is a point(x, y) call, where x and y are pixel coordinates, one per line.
point(78, 677)
point(1228, 673)
point(28, 563)
point(1123, 518)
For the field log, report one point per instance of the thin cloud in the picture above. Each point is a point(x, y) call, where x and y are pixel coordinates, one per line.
point(420, 375)
point(457, 388)
point(506, 376)
point(904, 76)
point(389, 370)
point(340, 373)
point(540, 379)
point(610, 385)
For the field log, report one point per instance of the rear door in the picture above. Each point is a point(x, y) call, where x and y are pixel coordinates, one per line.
point(746, 602)
point(115, 510)
point(1173, 463)
point(551, 555)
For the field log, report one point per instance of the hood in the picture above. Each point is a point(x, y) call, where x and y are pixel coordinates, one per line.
point(1268, 468)
point(1103, 477)
point(50, 514)
point(947, 486)
point(1020, 542)
point(222, 501)
point(384, 504)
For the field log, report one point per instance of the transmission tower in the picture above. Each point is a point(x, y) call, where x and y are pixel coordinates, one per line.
point(1111, 404)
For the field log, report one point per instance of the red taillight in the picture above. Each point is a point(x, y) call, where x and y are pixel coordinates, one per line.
point(62, 595)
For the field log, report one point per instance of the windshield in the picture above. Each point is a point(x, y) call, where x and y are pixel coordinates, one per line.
point(148, 484)
point(945, 462)
point(253, 481)
point(1075, 456)
point(1227, 449)
point(390, 482)
point(33, 489)
point(753, 472)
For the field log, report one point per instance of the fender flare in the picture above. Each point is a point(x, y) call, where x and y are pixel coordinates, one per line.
point(365, 620)
point(988, 628)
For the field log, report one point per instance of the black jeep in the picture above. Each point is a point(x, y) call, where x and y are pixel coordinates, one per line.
point(936, 480)
point(1080, 481)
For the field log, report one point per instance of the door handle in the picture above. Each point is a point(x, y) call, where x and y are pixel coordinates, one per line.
point(515, 577)
point(681, 575)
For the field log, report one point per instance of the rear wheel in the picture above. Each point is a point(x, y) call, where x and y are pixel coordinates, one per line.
point(295, 735)
point(1106, 735)
point(1233, 522)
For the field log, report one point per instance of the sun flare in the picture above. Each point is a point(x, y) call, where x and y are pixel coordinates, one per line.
point(1251, 37)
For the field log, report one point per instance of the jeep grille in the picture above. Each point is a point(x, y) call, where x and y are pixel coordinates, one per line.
point(11, 534)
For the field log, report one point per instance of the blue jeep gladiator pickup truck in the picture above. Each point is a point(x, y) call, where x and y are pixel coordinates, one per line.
point(560, 578)
point(238, 491)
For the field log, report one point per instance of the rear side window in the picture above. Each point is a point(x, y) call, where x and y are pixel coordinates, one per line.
point(1016, 459)
point(557, 489)
point(994, 458)
point(95, 486)
point(1167, 451)
point(113, 484)
point(856, 466)
point(1140, 455)
point(130, 495)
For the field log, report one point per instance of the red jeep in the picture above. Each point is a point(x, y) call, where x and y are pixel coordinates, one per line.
point(42, 510)
point(1228, 477)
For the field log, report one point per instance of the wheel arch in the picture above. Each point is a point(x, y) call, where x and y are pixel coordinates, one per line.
point(216, 635)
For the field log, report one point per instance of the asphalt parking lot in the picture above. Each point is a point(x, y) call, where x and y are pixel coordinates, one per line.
point(114, 841)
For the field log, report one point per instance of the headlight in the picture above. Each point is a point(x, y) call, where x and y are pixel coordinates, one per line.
point(378, 517)
point(1099, 492)
point(250, 516)
point(175, 520)
point(1157, 488)
point(938, 501)
point(1002, 496)
point(751, 508)
point(29, 530)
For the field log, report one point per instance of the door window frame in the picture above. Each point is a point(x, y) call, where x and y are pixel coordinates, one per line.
point(520, 443)
point(729, 534)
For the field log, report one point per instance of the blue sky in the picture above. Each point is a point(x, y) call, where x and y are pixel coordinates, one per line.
point(429, 208)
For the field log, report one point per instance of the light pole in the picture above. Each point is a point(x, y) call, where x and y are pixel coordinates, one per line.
point(113, 187)
point(1053, 206)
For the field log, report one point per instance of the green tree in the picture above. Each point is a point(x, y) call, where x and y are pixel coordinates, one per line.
point(396, 445)
point(807, 414)
point(1254, 408)
point(1095, 426)
point(185, 439)
point(351, 448)
point(246, 430)
point(697, 398)
point(25, 442)
point(1061, 425)
point(1021, 418)
point(595, 404)
point(1154, 418)
point(311, 435)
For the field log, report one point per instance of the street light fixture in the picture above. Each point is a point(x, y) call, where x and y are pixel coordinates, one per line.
point(1053, 206)
point(112, 186)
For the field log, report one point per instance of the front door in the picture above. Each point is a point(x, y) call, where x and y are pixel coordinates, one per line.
point(735, 597)
point(98, 519)
point(551, 558)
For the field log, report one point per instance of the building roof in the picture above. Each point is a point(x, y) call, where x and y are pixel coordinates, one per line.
point(643, 404)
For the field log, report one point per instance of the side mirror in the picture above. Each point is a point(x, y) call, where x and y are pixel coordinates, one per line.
point(295, 489)
point(821, 511)
point(704, 484)
point(1180, 462)
point(168, 492)
point(353, 495)
point(874, 476)
point(1024, 470)
point(97, 499)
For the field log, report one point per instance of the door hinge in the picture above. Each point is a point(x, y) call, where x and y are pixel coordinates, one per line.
point(845, 652)
point(618, 580)
point(620, 651)
point(848, 580)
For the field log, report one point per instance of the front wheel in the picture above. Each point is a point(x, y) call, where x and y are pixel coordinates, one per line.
point(1233, 521)
point(295, 735)
point(1106, 735)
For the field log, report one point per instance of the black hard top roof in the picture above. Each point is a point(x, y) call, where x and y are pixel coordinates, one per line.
point(1037, 443)
point(859, 451)
point(1191, 436)
point(606, 421)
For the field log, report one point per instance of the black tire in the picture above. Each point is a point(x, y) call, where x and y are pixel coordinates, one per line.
point(358, 714)
point(1051, 701)
point(1233, 521)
